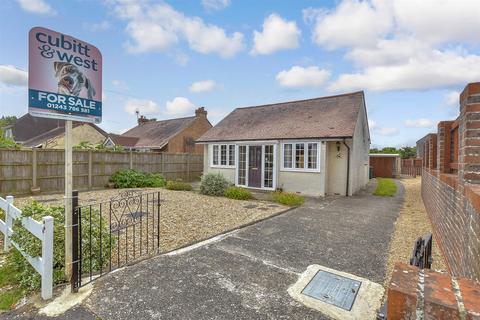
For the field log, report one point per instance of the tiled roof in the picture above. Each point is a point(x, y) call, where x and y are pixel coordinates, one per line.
point(157, 133)
point(325, 117)
point(123, 140)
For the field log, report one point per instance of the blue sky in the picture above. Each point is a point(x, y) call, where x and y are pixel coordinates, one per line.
point(412, 58)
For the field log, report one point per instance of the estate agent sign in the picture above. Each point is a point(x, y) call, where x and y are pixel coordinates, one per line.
point(64, 77)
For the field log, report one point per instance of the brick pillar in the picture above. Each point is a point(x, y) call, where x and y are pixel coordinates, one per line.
point(469, 136)
point(432, 151)
point(443, 146)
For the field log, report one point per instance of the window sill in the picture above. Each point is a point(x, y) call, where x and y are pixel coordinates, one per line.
point(300, 170)
point(222, 167)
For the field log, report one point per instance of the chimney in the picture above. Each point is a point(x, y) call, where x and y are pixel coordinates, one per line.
point(142, 120)
point(201, 112)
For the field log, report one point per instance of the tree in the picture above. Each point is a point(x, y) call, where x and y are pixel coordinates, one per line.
point(7, 120)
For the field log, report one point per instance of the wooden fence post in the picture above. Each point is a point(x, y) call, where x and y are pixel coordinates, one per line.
point(34, 168)
point(188, 167)
point(8, 224)
point(162, 165)
point(47, 258)
point(90, 158)
point(131, 160)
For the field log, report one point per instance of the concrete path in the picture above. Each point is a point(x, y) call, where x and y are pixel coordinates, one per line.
point(246, 274)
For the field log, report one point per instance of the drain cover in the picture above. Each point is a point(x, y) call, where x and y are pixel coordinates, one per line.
point(333, 289)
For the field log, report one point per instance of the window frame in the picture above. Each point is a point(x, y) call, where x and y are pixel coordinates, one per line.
point(294, 168)
point(219, 155)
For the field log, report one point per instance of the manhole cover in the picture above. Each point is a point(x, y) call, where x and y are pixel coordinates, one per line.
point(250, 206)
point(333, 289)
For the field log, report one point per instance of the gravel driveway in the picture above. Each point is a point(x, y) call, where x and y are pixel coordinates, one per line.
point(185, 216)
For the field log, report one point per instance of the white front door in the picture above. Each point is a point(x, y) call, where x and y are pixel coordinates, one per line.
point(256, 166)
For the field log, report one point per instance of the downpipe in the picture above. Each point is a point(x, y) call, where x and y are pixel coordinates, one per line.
point(348, 167)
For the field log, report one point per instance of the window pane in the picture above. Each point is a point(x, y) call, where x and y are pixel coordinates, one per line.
point(312, 156)
point(231, 155)
point(287, 155)
point(223, 154)
point(300, 156)
point(268, 172)
point(215, 155)
point(242, 165)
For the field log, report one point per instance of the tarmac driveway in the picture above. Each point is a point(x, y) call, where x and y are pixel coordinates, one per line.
point(246, 274)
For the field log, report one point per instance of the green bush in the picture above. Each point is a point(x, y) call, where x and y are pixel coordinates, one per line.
point(214, 184)
point(134, 179)
point(288, 198)
point(178, 185)
point(26, 276)
point(238, 193)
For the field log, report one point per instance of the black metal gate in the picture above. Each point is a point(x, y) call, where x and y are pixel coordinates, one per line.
point(112, 234)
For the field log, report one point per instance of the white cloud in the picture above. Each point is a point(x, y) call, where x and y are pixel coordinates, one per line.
point(97, 26)
point(121, 85)
point(277, 34)
point(351, 23)
point(202, 86)
point(401, 44)
point(452, 98)
point(215, 4)
point(143, 106)
point(156, 27)
point(419, 123)
point(36, 6)
point(10, 75)
point(298, 77)
point(179, 106)
point(382, 131)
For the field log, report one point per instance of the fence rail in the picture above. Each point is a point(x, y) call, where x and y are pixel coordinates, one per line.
point(23, 170)
point(42, 230)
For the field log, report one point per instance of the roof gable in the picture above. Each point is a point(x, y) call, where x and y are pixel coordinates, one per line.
point(326, 117)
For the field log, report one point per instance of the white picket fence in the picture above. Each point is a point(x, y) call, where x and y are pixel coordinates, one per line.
point(42, 230)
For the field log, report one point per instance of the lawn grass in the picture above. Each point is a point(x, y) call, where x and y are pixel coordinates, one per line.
point(386, 187)
point(288, 198)
point(10, 297)
point(10, 290)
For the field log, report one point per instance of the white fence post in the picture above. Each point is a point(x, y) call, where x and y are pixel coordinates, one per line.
point(41, 230)
point(47, 257)
point(8, 224)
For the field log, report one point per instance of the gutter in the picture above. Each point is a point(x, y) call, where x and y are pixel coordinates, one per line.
point(348, 166)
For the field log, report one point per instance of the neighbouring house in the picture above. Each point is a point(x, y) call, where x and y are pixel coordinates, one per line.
point(36, 132)
point(313, 147)
point(172, 135)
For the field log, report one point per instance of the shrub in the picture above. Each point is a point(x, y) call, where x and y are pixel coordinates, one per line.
point(178, 185)
point(214, 184)
point(26, 276)
point(134, 179)
point(288, 198)
point(238, 193)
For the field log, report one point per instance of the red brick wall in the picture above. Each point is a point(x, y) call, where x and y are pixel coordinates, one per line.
point(455, 222)
point(426, 294)
point(451, 197)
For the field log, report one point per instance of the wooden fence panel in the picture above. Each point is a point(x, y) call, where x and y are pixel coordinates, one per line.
point(22, 170)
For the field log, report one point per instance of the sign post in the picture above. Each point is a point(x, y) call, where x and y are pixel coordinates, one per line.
point(64, 82)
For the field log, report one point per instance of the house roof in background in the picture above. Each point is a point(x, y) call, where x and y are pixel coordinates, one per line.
point(325, 117)
point(32, 131)
point(123, 140)
point(157, 133)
